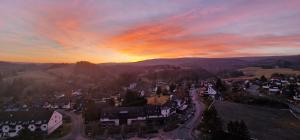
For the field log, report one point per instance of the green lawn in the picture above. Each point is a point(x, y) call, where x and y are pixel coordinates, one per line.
point(263, 123)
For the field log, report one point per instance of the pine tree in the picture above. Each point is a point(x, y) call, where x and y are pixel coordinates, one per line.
point(211, 122)
point(244, 132)
point(263, 79)
point(238, 130)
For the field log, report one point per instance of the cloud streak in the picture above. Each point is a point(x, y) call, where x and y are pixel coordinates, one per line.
point(131, 30)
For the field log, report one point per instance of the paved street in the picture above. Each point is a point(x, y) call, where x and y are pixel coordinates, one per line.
point(77, 128)
point(185, 131)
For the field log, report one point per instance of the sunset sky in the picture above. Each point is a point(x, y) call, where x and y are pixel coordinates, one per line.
point(132, 30)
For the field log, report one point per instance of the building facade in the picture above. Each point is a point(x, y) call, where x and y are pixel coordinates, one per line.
point(42, 121)
point(130, 115)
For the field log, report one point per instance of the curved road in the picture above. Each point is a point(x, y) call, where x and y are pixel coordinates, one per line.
point(185, 131)
point(77, 129)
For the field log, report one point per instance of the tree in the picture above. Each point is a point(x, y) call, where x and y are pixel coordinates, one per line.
point(126, 78)
point(263, 79)
point(238, 130)
point(158, 91)
point(1, 84)
point(172, 87)
point(133, 99)
point(1, 77)
point(123, 131)
point(220, 86)
point(211, 123)
point(141, 127)
point(90, 112)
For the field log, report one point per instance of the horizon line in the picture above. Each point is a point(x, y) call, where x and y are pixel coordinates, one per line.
point(162, 58)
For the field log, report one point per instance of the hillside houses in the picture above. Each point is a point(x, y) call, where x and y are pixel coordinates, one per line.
point(41, 121)
point(285, 85)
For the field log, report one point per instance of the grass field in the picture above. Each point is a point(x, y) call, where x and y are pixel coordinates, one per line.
point(263, 123)
point(258, 72)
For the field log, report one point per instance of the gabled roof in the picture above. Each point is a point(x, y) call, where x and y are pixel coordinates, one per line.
point(36, 115)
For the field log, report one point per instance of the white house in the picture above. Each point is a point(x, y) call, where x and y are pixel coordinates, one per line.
point(76, 93)
point(265, 86)
point(40, 121)
point(210, 91)
point(274, 90)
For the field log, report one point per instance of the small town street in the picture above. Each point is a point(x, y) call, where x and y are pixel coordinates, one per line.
point(185, 131)
point(77, 129)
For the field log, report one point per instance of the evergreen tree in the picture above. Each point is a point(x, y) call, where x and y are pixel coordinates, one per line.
point(244, 132)
point(172, 87)
point(238, 130)
point(133, 98)
point(90, 112)
point(263, 79)
point(211, 122)
point(220, 85)
point(158, 91)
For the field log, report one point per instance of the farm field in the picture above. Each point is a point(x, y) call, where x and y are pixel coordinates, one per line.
point(263, 123)
point(258, 72)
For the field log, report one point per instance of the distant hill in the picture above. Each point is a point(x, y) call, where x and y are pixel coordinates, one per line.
point(102, 79)
point(221, 64)
point(210, 64)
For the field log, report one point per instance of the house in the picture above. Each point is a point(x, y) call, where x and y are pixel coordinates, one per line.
point(296, 97)
point(132, 86)
point(116, 116)
point(76, 93)
point(40, 121)
point(266, 86)
point(274, 89)
point(208, 90)
point(63, 103)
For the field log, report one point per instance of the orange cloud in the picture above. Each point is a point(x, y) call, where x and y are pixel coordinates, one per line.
point(170, 39)
point(66, 25)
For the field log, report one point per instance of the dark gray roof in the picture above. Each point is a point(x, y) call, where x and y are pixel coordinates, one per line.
point(16, 116)
point(130, 112)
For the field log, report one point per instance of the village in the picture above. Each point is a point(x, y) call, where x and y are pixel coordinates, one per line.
point(156, 112)
point(167, 105)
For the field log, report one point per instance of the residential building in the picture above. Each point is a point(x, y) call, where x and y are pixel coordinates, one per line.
point(116, 116)
point(40, 121)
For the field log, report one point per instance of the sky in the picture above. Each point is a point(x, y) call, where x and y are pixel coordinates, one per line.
point(102, 31)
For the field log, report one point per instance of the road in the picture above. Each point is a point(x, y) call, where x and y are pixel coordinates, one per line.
point(185, 131)
point(77, 129)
